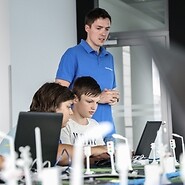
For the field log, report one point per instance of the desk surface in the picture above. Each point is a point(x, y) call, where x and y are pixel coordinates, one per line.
point(114, 180)
point(109, 179)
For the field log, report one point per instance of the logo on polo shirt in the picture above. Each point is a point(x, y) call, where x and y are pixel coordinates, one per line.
point(108, 68)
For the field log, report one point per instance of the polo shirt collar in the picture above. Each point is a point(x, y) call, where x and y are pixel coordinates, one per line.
point(88, 48)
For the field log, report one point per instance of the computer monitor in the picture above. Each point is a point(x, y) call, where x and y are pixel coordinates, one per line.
point(50, 127)
point(148, 136)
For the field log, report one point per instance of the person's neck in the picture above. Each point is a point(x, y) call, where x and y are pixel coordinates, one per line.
point(79, 119)
point(95, 48)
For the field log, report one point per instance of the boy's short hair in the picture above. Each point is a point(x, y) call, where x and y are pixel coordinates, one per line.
point(95, 14)
point(86, 85)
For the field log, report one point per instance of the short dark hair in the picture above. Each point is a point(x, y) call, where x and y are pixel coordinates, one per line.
point(86, 85)
point(95, 14)
point(49, 97)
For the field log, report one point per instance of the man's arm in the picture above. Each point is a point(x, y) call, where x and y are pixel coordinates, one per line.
point(62, 82)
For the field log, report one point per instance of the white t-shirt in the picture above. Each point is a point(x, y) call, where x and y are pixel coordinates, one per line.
point(73, 130)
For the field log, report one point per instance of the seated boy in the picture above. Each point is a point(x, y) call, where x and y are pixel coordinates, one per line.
point(87, 95)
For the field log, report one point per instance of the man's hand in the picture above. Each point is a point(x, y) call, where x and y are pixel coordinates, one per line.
point(109, 96)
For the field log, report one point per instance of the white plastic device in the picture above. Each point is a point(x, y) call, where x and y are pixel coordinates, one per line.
point(25, 163)
point(38, 149)
point(87, 153)
point(182, 168)
point(118, 136)
point(152, 174)
point(172, 143)
point(122, 162)
point(173, 146)
point(50, 176)
point(110, 151)
point(153, 147)
point(110, 147)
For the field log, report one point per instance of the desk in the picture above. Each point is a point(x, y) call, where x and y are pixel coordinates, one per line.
point(115, 180)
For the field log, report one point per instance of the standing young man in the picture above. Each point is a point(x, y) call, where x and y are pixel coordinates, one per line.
point(89, 58)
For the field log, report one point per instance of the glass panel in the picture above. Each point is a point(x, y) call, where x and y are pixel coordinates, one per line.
point(139, 85)
point(132, 15)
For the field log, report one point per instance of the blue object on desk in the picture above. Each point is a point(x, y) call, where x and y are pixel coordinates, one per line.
point(136, 181)
point(173, 175)
point(130, 182)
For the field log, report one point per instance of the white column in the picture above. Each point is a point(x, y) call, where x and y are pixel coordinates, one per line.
point(4, 66)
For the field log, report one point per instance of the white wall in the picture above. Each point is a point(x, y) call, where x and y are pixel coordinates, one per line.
point(40, 32)
point(4, 66)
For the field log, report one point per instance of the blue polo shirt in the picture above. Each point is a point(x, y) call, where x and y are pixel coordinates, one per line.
point(82, 60)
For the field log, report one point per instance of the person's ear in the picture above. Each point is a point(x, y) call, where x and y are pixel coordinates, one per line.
point(76, 99)
point(87, 27)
